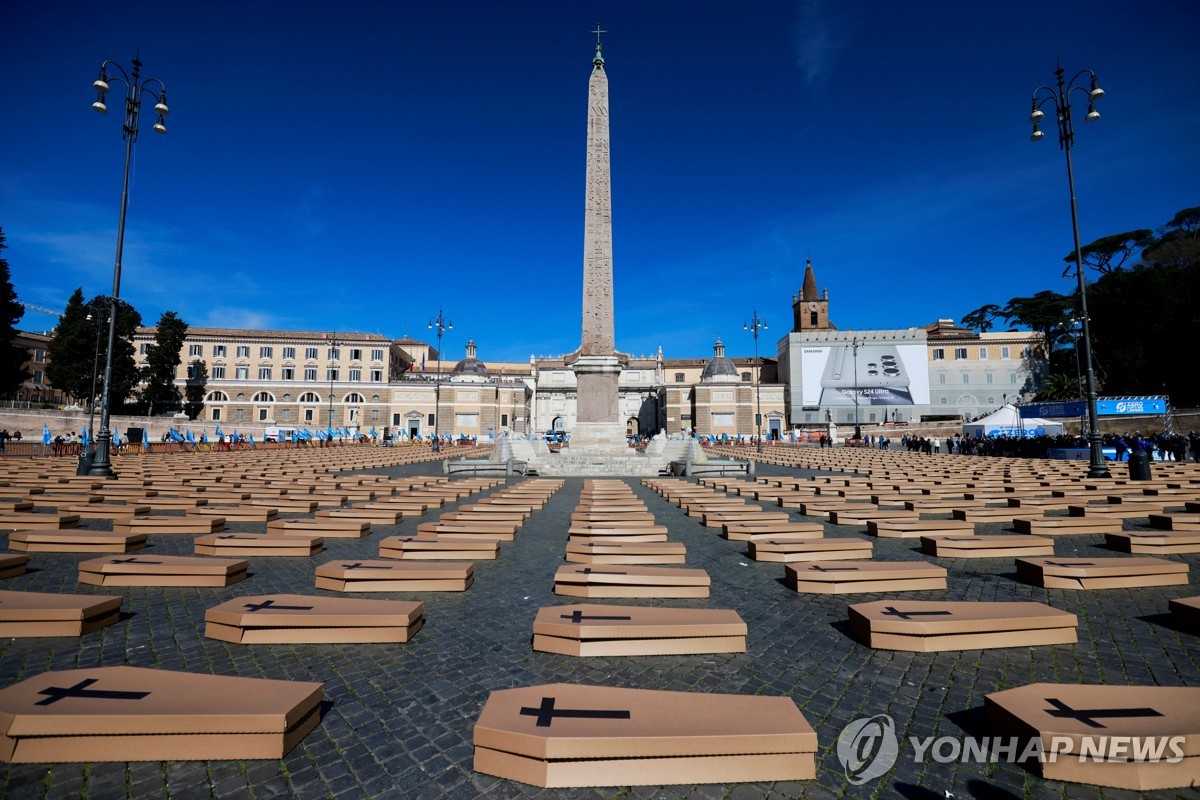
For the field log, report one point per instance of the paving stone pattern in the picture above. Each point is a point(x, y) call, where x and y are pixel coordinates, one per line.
point(399, 717)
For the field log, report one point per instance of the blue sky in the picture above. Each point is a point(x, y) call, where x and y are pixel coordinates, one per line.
point(354, 166)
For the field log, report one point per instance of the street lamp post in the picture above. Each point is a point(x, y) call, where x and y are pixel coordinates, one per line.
point(1060, 97)
point(98, 324)
point(135, 89)
point(754, 325)
point(441, 325)
point(335, 355)
point(857, 425)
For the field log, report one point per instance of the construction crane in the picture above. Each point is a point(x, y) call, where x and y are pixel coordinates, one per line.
point(41, 310)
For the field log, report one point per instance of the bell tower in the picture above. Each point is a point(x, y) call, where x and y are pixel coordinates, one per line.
point(810, 309)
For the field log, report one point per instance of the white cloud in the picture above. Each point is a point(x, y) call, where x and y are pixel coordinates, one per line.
point(233, 317)
point(822, 30)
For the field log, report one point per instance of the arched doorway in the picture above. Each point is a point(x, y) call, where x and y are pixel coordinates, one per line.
point(631, 426)
point(559, 424)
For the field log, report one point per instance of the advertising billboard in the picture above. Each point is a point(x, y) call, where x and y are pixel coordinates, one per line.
point(879, 375)
point(1073, 408)
point(1117, 406)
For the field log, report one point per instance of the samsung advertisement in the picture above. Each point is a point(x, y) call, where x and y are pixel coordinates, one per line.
point(879, 375)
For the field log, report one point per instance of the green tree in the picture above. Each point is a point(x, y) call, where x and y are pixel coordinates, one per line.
point(197, 383)
point(1046, 313)
point(983, 318)
point(69, 354)
point(159, 392)
point(1059, 386)
point(12, 359)
point(125, 374)
point(1109, 253)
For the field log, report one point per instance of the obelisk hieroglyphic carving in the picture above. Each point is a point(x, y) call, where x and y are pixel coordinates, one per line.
point(597, 365)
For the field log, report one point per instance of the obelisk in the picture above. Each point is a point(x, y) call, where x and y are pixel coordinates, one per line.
point(596, 364)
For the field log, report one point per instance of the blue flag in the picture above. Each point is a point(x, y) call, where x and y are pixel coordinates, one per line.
point(45, 433)
point(252, 440)
point(218, 433)
point(83, 437)
point(374, 434)
point(204, 436)
point(190, 437)
point(145, 438)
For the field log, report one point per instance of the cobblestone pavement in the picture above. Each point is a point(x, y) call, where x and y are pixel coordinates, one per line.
point(400, 716)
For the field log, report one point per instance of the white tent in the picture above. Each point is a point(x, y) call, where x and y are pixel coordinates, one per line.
point(1006, 421)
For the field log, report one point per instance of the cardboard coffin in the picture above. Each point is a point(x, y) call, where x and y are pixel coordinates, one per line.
point(907, 529)
point(243, 513)
point(12, 564)
point(258, 544)
point(566, 735)
point(1162, 541)
point(1066, 526)
point(37, 522)
point(1092, 726)
point(304, 619)
point(325, 528)
point(137, 714)
point(784, 550)
point(926, 626)
point(30, 614)
point(1175, 522)
point(864, 516)
point(600, 630)
point(745, 531)
point(433, 547)
point(394, 576)
point(165, 524)
point(630, 581)
point(377, 515)
point(719, 519)
point(1186, 612)
point(838, 577)
point(76, 540)
point(156, 570)
point(987, 546)
point(1100, 573)
point(603, 552)
point(487, 530)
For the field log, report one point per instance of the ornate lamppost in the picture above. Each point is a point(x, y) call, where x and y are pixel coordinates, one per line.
point(335, 355)
point(441, 325)
point(1060, 98)
point(136, 88)
point(98, 323)
point(754, 325)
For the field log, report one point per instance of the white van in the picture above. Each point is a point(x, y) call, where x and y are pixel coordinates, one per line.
point(279, 435)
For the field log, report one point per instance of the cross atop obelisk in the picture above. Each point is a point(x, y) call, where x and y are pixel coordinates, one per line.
point(598, 338)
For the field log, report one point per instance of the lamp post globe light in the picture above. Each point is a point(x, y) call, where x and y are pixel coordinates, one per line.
point(440, 324)
point(1059, 97)
point(135, 89)
point(755, 324)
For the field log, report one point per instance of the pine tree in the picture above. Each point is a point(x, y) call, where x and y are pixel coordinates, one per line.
point(71, 350)
point(12, 359)
point(162, 361)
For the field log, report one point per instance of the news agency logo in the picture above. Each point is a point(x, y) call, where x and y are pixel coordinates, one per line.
point(868, 748)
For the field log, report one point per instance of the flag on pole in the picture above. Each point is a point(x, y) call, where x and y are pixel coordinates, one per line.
point(145, 438)
point(84, 439)
point(204, 436)
point(374, 435)
point(218, 433)
point(45, 433)
point(252, 440)
point(190, 437)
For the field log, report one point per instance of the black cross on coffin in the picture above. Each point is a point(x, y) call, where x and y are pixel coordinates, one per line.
point(359, 565)
point(1070, 563)
point(1088, 716)
point(819, 568)
point(889, 611)
point(270, 604)
point(578, 616)
point(132, 560)
point(546, 713)
point(590, 571)
point(55, 693)
point(235, 536)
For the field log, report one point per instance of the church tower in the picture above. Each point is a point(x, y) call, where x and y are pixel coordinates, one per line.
point(810, 309)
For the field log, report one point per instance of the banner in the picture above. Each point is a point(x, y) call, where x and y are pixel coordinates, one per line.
point(1119, 406)
point(878, 375)
point(1074, 408)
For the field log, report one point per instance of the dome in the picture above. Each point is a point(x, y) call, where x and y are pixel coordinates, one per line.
point(470, 367)
point(720, 369)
